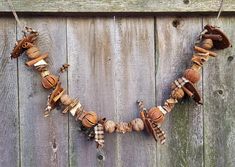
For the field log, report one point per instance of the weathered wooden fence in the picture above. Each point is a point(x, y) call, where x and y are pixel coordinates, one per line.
point(116, 60)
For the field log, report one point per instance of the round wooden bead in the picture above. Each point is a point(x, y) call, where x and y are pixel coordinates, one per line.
point(207, 43)
point(49, 81)
point(109, 126)
point(66, 100)
point(90, 119)
point(177, 94)
point(156, 115)
point(137, 124)
point(33, 52)
point(192, 75)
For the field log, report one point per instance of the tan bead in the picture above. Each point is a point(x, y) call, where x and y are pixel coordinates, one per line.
point(156, 115)
point(49, 81)
point(90, 119)
point(177, 94)
point(207, 44)
point(192, 75)
point(123, 127)
point(66, 100)
point(137, 124)
point(109, 126)
point(33, 52)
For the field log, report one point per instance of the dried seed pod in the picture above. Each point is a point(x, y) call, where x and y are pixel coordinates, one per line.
point(156, 115)
point(33, 52)
point(177, 93)
point(90, 119)
point(207, 43)
point(109, 126)
point(192, 75)
point(137, 124)
point(49, 81)
point(66, 100)
point(123, 127)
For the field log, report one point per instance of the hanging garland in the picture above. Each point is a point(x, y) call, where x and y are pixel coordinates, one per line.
point(94, 126)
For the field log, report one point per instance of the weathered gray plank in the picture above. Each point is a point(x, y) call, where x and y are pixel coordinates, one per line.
point(219, 87)
point(44, 141)
point(184, 125)
point(91, 46)
point(134, 80)
point(118, 6)
point(9, 127)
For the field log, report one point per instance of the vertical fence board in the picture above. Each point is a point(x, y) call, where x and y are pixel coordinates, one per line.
point(134, 73)
point(91, 78)
point(219, 86)
point(44, 141)
point(9, 128)
point(184, 125)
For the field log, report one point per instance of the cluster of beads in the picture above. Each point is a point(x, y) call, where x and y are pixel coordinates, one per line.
point(151, 119)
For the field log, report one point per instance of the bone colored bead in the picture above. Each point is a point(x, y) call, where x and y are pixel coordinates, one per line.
point(66, 100)
point(207, 44)
point(137, 124)
point(109, 126)
point(33, 52)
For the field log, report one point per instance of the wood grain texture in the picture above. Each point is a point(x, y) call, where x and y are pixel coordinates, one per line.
point(218, 84)
point(91, 78)
point(134, 80)
point(184, 125)
point(9, 127)
point(118, 6)
point(44, 141)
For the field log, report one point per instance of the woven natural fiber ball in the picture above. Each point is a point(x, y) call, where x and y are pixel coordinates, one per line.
point(177, 94)
point(137, 124)
point(123, 127)
point(207, 44)
point(192, 75)
point(66, 100)
point(33, 52)
point(156, 115)
point(109, 126)
point(49, 81)
point(90, 119)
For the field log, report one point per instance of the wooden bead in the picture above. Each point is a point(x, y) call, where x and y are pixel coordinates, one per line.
point(66, 100)
point(177, 94)
point(192, 75)
point(137, 124)
point(90, 119)
point(207, 44)
point(123, 127)
point(156, 115)
point(33, 52)
point(49, 81)
point(109, 126)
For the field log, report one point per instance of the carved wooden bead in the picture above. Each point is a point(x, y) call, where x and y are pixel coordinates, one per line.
point(49, 81)
point(33, 52)
point(137, 124)
point(207, 43)
point(156, 115)
point(177, 94)
point(66, 100)
point(109, 126)
point(90, 119)
point(192, 75)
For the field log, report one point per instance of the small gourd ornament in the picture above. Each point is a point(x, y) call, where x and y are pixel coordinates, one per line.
point(90, 119)
point(156, 115)
point(192, 75)
point(48, 80)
